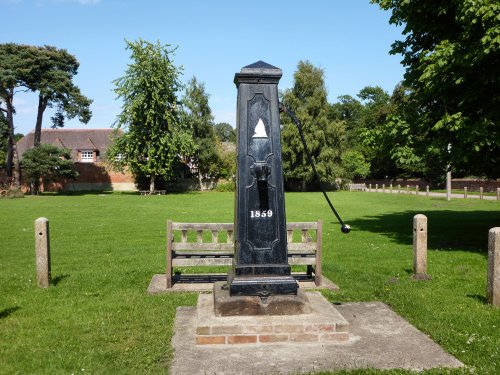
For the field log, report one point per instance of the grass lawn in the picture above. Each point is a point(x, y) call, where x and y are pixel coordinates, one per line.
point(98, 319)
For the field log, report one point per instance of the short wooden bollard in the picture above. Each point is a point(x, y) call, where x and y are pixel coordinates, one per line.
point(480, 193)
point(42, 249)
point(465, 192)
point(427, 191)
point(383, 188)
point(399, 189)
point(407, 189)
point(376, 188)
point(370, 188)
point(420, 245)
point(391, 188)
point(498, 194)
point(493, 289)
point(416, 189)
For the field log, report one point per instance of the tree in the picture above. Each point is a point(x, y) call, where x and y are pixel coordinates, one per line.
point(225, 132)
point(4, 138)
point(324, 137)
point(451, 53)
point(155, 137)
point(17, 70)
point(47, 163)
point(47, 70)
point(55, 87)
point(198, 117)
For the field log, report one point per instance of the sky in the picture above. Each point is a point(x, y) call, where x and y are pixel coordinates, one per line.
point(349, 39)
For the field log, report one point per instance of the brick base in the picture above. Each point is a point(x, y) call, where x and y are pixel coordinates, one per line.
point(324, 324)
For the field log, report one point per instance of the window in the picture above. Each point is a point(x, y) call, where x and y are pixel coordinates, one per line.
point(87, 156)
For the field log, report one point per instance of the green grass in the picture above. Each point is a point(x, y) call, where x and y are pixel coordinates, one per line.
point(97, 317)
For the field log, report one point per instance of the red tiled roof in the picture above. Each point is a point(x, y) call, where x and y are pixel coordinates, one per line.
point(72, 139)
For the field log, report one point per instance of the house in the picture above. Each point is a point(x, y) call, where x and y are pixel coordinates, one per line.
point(88, 150)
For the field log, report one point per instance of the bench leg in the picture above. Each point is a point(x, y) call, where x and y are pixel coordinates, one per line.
point(169, 254)
point(319, 239)
point(309, 271)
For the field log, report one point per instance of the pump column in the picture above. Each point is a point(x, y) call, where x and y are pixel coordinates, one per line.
point(260, 266)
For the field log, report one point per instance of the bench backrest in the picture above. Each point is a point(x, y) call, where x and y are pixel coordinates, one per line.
point(218, 237)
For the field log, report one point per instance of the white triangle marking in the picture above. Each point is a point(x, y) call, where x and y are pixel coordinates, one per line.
point(260, 130)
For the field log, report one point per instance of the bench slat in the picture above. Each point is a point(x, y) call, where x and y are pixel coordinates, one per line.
point(202, 226)
point(205, 246)
point(186, 262)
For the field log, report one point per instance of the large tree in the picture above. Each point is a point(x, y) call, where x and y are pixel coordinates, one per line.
point(55, 87)
point(324, 136)
point(225, 132)
point(155, 138)
point(48, 71)
point(198, 116)
point(47, 163)
point(451, 52)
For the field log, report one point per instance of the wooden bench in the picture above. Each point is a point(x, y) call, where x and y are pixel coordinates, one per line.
point(186, 253)
point(155, 192)
point(357, 187)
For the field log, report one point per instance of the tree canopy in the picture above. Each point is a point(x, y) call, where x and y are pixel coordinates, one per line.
point(155, 138)
point(197, 116)
point(324, 136)
point(48, 71)
point(47, 163)
point(451, 52)
point(225, 132)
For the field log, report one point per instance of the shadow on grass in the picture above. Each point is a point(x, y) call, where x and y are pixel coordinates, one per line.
point(5, 313)
point(479, 298)
point(56, 280)
point(447, 230)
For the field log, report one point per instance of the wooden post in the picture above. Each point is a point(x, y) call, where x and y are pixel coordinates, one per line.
point(427, 191)
point(383, 188)
point(391, 188)
point(407, 189)
point(416, 189)
point(419, 245)
point(399, 189)
point(319, 241)
point(42, 250)
point(498, 194)
point(481, 192)
point(376, 188)
point(170, 238)
point(370, 188)
point(465, 192)
point(493, 288)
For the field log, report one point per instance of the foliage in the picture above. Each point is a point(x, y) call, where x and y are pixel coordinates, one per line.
point(98, 299)
point(354, 165)
point(225, 186)
point(225, 132)
point(155, 137)
point(452, 53)
point(197, 116)
point(308, 99)
point(56, 69)
point(48, 163)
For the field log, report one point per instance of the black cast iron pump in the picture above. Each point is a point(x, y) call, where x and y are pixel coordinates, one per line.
point(260, 265)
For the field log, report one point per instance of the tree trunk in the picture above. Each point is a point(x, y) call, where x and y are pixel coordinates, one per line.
point(15, 156)
point(152, 184)
point(200, 179)
point(9, 160)
point(42, 104)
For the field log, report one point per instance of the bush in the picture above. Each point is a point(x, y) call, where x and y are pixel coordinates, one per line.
point(225, 186)
point(11, 193)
